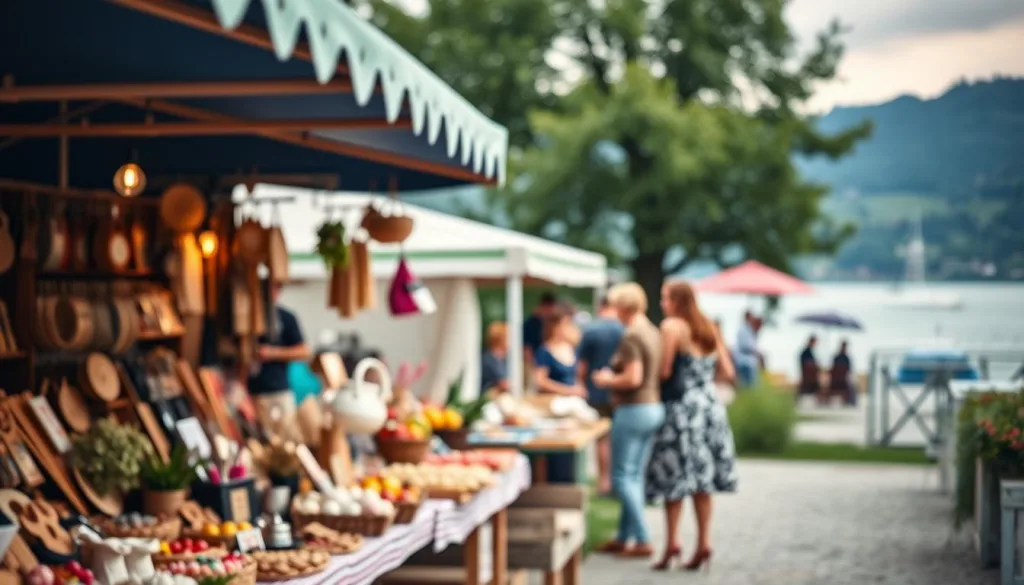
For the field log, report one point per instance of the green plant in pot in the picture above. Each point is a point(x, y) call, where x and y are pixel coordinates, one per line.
point(165, 484)
point(110, 456)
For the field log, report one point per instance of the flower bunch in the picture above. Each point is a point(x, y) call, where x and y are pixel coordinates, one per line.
point(998, 421)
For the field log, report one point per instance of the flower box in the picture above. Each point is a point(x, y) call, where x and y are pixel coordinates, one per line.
point(1012, 554)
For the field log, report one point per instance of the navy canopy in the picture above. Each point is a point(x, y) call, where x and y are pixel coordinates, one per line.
point(412, 130)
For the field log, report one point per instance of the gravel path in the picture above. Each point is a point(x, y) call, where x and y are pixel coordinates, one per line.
point(821, 524)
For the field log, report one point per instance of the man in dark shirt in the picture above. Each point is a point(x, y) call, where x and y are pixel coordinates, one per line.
point(269, 386)
point(839, 376)
point(600, 340)
point(533, 326)
point(810, 382)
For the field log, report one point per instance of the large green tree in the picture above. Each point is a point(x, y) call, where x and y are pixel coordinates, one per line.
point(661, 132)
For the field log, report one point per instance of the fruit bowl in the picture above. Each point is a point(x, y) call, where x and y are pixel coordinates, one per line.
point(457, 439)
point(395, 450)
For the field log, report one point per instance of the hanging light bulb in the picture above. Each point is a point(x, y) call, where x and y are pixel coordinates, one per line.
point(129, 180)
point(208, 244)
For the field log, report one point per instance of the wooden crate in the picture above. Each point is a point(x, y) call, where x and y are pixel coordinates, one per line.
point(546, 527)
point(551, 554)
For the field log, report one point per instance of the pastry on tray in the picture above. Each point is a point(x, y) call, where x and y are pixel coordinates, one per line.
point(289, 564)
point(316, 536)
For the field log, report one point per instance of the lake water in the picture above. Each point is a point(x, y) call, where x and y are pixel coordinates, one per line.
point(992, 316)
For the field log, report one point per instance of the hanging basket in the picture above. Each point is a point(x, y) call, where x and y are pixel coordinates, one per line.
point(393, 229)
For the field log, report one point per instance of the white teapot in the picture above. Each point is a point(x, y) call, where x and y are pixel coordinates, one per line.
point(360, 406)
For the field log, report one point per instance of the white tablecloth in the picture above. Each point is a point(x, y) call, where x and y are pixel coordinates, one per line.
point(456, 524)
point(382, 554)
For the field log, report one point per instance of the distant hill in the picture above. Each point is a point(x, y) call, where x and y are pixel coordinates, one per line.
point(970, 138)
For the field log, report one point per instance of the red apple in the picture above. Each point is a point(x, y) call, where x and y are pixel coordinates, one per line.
point(200, 546)
point(403, 433)
point(177, 547)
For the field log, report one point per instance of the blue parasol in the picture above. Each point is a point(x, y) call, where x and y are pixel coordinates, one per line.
point(830, 319)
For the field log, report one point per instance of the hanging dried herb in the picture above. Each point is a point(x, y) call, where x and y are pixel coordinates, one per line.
point(331, 244)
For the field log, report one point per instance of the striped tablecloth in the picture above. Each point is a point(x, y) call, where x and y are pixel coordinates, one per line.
point(456, 524)
point(383, 554)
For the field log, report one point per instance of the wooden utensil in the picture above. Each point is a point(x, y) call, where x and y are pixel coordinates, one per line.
point(112, 248)
point(277, 249)
point(58, 251)
point(366, 294)
point(98, 376)
point(40, 520)
point(72, 407)
point(182, 208)
point(110, 504)
point(12, 439)
point(7, 250)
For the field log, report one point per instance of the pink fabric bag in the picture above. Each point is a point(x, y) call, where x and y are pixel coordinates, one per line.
point(407, 295)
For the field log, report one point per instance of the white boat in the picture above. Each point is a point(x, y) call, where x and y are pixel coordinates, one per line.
point(914, 292)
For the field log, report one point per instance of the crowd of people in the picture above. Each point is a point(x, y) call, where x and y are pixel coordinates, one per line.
point(670, 437)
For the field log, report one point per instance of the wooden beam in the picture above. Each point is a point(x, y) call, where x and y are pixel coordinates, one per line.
point(209, 89)
point(206, 20)
point(163, 129)
point(322, 144)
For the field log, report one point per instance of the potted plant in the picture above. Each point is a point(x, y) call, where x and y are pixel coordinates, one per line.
point(165, 485)
point(110, 455)
point(990, 448)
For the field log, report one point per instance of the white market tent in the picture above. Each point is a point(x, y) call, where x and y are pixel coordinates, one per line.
point(451, 255)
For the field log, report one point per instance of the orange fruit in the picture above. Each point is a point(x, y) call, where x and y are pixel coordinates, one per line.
point(452, 420)
point(391, 484)
point(372, 484)
point(435, 417)
point(211, 530)
point(244, 526)
point(228, 529)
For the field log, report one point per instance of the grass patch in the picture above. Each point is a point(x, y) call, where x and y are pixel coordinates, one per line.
point(602, 521)
point(845, 453)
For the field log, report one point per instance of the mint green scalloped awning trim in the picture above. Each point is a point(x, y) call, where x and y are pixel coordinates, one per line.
point(333, 27)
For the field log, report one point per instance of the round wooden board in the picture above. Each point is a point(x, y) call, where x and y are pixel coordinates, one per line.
point(73, 409)
point(99, 377)
point(110, 505)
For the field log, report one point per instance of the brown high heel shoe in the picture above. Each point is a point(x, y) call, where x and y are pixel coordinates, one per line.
point(673, 556)
point(612, 547)
point(637, 551)
point(702, 558)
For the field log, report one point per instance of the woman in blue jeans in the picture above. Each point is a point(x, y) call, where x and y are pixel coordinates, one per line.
point(635, 385)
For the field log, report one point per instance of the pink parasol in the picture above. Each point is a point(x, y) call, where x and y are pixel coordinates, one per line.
point(753, 278)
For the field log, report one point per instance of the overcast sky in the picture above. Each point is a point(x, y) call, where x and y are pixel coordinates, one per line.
point(914, 46)
point(899, 47)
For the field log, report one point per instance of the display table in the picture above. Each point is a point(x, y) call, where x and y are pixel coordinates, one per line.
point(383, 554)
point(574, 443)
point(462, 525)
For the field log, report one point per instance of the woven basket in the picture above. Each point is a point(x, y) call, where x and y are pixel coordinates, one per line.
point(166, 530)
point(162, 560)
point(403, 451)
point(405, 512)
point(392, 229)
point(458, 440)
point(225, 542)
point(365, 525)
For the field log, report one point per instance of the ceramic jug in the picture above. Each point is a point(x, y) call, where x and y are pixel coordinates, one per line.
point(361, 406)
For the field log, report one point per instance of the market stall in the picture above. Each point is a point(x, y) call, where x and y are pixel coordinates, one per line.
point(452, 256)
point(133, 290)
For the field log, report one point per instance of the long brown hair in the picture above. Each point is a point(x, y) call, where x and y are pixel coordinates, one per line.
point(682, 302)
point(559, 313)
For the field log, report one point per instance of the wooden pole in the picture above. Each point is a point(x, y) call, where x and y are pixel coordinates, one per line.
point(176, 89)
point(158, 129)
